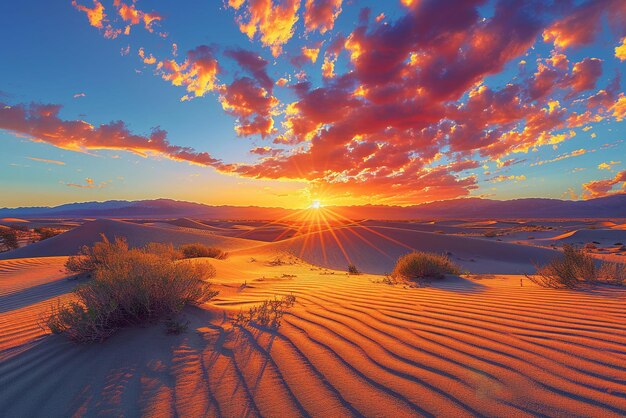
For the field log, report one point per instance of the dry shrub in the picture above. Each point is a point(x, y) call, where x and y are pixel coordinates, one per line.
point(574, 268)
point(200, 250)
point(353, 270)
point(420, 265)
point(45, 233)
point(268, 314)
point(129, 287)
point(613, 273)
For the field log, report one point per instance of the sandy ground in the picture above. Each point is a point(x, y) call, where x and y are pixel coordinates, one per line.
point(478, 345)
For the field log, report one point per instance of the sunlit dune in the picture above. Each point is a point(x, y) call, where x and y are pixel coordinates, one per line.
point(489, 344)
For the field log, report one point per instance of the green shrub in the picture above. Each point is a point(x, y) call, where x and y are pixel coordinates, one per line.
point(574, 268)
point(201, 250)
point(420, 265)
point(129, 287)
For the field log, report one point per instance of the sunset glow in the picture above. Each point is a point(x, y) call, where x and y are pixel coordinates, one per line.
point(312, 208)
point(371, 102)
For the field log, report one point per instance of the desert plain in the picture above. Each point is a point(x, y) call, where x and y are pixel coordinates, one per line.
point(487, 342)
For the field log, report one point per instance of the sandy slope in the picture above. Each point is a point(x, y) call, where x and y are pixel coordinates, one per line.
point(375, 249)
point(350, 346)
point(70, 242)
point(584, 236)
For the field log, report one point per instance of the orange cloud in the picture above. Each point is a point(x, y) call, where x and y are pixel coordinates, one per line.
point(310, 53)
point(95, 15)
point(43, 160)
point(601, 188)
point(575, 153)
point(273, 24)
point(198, 73)
point(41, 123)
point(89, 184)
point(134, 16)
point(620, 50)
point(147, 60)
point(320, 15)
point(581, 26)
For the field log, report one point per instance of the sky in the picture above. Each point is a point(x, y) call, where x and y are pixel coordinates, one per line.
point(286, 102)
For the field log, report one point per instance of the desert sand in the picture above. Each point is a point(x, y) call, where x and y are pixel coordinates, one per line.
point(489, 343)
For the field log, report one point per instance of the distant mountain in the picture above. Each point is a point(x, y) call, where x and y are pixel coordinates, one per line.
point(605, 207)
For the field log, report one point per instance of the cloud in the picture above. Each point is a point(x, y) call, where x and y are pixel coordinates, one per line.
point(501, 178)
point(273, 23)
point(320, 15)
point(620, 50)
point(79, 95)
point(95, 15)
point(600, 188)
point(198, 73)
point(41, 123)
point(43, 160)
point(89, 184)
point(575, 153)
point(608, 165)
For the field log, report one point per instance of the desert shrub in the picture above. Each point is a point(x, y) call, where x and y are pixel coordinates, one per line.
point(19, 227)
point(590, 246)
point(268, 314)
point(419, 265)
point(129, 287)
point(163, 250)
point(613, 273)
point(8, 239)
point(45, 233)
point(201, 250)
point(352, 269)
point(89, 258)
point(574, 268)
point(490, 234)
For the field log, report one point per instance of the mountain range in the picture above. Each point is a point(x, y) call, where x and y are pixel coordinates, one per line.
point(613, 206)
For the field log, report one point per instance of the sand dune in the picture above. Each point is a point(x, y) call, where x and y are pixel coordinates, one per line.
point(190, 223)
point(375, 249)
point(70, 242)
point(583, 236)
point(12, 220)
point(350, 347)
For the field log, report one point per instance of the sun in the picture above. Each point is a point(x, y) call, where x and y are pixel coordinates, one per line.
point(315, 204)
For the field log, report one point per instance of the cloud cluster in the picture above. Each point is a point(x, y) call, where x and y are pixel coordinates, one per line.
point(406, 110)
point(41, 123)
point(600, 188)
point(121, 19)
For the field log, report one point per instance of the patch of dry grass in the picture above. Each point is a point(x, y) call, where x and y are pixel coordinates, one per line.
point(129, 287)
point(200, 250)
point(421, 265)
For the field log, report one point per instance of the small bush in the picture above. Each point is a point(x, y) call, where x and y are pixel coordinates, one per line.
point(201, 250)
point(613, 273)
point(490, 234)
point(268, 314)
point(420, 265)
point(45, 233)
point(129, 287)
point(8, 239)
point(590, 246)
point(574, 268)
point(352, 269)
